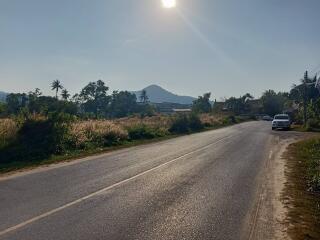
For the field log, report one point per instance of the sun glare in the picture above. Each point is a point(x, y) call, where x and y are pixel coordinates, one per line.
point(169, 3)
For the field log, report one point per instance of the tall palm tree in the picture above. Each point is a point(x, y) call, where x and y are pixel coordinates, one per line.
point(144, 96)
point(56, 85)
point(65, 94)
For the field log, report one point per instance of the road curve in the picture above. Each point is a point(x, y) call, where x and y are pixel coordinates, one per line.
point(201, 186)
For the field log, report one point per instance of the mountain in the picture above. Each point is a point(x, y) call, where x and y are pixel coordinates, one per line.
point(157, 94)
point(3, 96)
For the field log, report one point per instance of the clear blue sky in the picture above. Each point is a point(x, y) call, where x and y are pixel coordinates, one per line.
point(227, 47)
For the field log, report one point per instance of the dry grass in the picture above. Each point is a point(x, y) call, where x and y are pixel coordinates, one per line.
point(158, 121)
point(83, 132)
point(97, 131)
point(8, 130)
point(165, 121)
point(212, 120)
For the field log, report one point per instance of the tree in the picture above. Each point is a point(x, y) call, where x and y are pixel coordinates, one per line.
point(94, 98)
point(239, 105)
point(37, 93)
point(122, 104)
point(304, 93)
point(65, 94)
point(48, 105)
point(144, 96)
point(56, 85)
point(202, 104)
point(15, 102)
point(273, 103)
point(3, 109)
point(33, 100)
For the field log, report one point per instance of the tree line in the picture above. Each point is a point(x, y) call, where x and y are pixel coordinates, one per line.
point(93, 101)
point(302, 102)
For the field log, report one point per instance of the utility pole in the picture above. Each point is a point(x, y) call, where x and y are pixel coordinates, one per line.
point(317, 85)
point(303, 89)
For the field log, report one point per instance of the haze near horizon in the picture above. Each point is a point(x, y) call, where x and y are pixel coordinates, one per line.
point(188, 47)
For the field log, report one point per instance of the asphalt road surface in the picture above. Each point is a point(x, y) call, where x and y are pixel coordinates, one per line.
point(201, 186)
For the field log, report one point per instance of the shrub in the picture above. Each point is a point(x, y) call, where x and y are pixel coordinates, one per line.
point(226, 121)
point(143, 131)
point(195, 123)
point(232, 119)
point(313, 124)
point(8, 131)
point(180, 124)
point(186, 123)
point(37, 140)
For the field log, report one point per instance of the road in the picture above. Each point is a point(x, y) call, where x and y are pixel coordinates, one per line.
point(201, 186)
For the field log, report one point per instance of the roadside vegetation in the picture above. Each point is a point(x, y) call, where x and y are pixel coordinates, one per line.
point(35, 128)
point(302, 191)
point(61, 136)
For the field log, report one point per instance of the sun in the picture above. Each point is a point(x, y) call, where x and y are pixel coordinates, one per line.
point(169, 3)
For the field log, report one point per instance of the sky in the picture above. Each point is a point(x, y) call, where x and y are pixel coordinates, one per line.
point(226, 47)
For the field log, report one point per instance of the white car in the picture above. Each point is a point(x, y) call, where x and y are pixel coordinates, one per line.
point(267, 118)
point(281, 121)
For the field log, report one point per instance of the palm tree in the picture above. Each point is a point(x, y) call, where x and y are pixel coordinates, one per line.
point(56, 85)
point(65, 94)
point(144, 96)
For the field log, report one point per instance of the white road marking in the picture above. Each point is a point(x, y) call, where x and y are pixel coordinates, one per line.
point(46, 214)
point(270, 154)
point(260, 200)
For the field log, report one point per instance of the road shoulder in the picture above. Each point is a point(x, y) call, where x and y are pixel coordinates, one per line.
point(269, 218)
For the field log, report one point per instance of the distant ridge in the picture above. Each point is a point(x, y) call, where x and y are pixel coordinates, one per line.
point(157, 94)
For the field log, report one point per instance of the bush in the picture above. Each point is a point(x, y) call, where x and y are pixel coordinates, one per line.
point(180, 125)
point(37, 140)
point(313, 124)
point(232, 119)
point(226, 121)
point(142, 131)
point(195, 123)
point(186, 123)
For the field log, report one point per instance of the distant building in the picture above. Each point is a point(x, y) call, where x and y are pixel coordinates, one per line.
point(182, 110)
point(255, 106)
point(171, 108)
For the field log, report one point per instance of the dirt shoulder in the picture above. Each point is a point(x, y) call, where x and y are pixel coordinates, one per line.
point(285, 209)
point(282, 209)
point(269, 213)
